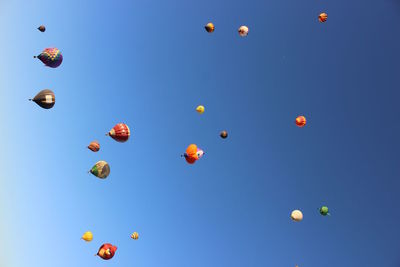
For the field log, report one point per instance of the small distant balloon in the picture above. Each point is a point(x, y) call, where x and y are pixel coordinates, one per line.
point(106, 251)
point(297, 215)
point(45, 99)
point(42, 28)
point(322, 17)
point(135, 236)
point(88, 236)
point(324, 211)
point(243, 31)
point(301, 121)
point(94, 146)
point(209, 27)
point(101, 169)
point(223, 134)
point(200, 109)
point(51, 57)
point(120, 132)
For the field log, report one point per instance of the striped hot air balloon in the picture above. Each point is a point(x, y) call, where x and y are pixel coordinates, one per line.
point(101, 169)
point(120, 132)
point(51, 57)
point(45, 99)
point(135, 236)
point(94, 146)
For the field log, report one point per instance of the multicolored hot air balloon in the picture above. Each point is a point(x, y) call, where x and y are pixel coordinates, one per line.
point(209, 27)
point(243, 31)
point(101, 169)
point(42, 28)
point(45, 99)
point(193, 153)
point(106, 251)
point(322, 17)
point(120, 132)
point(51, 57)
point(94, 146)
point(135, 236)
point(301, 121)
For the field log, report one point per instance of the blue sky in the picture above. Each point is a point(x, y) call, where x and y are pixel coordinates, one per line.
point(149, 64)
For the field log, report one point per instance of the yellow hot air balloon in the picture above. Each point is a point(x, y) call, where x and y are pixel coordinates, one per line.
point(135, 236)
point(88, 236)
point(297, 215)
point(200, 109)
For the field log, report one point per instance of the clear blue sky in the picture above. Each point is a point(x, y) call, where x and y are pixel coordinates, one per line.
point(149, 64)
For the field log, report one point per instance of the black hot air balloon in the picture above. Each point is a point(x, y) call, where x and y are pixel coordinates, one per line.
point(45, 98)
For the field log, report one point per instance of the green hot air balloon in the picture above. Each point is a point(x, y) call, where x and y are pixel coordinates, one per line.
point(45, 99)
point(324, 211)
point(101, 169)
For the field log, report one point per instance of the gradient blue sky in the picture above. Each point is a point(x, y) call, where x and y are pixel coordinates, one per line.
point(149, 64)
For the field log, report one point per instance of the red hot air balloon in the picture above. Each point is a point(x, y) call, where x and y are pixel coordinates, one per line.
point(120, 132)
point(301, 121)
point(106, 251)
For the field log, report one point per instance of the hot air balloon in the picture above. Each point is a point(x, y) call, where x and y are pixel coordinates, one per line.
point(88, 236)
point(223, 134)
point(200, 109)
point(42, 28)
point(94, 146)
point(135, 236)
point(106, 251)
point(296, 215)
point(51, 57)
point(322, 17)
point(193, 153)
point(120, 132)
point(324, 211)
point(101, 169)
point(301, 121)
point(45, 99)
point(209, 27)
point(243, 31)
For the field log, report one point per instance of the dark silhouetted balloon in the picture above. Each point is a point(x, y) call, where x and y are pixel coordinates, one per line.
point(45, 99)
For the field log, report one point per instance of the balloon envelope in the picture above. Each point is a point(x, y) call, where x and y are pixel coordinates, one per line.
point(243, 31)
point(45, 99)
point(120, 132)
point(101, 169)
point(297, 215)
point(210, 27)
point(94, 146)
point(51, 57)
point(42, 28)
point(322, 17)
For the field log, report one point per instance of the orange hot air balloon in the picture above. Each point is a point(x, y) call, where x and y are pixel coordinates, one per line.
point(322, 17)
point(301, 121)
point(193, 153)
point(120, 132)
point(94, 146)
